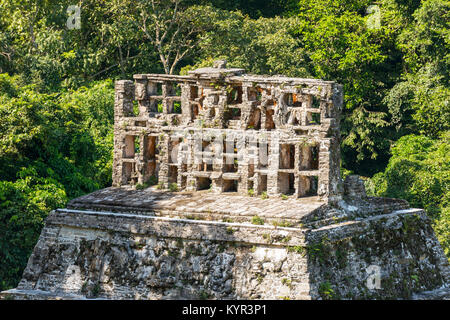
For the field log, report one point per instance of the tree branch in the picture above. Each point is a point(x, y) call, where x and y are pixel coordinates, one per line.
point(114, 65)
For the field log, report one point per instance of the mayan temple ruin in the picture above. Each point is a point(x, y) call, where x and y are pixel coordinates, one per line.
point(227, 186)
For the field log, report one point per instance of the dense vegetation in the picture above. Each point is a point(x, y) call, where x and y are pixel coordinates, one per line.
point(56, 90)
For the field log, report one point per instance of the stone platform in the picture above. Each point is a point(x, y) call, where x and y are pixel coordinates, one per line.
point(232, 207)
point(120, 243)
point(203, 205)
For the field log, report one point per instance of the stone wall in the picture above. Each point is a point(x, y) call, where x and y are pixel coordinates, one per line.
point(83, 254)
point(400, 246)
point(223, 130)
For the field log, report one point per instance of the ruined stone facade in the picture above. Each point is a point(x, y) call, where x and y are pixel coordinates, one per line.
point(223, 130)
point(222, 147)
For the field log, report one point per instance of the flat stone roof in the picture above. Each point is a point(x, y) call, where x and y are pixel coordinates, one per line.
point(202, 205)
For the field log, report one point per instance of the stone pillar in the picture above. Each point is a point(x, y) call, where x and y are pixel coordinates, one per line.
point(297, 157)
point(166, 89)
point(123, 107)
point(191, 182)
point(354, 187)
point(141, 96)
point(163, 173)
point(185, 107)
point(330, 184)
point(273, 186)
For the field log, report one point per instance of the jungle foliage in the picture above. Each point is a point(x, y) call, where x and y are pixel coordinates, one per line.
point(56, 90)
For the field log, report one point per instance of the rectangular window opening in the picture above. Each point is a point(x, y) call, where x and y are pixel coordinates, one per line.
point(128, 173)
point(230, 164)
point(136, 111)
point(254, 94)
point(173, 174)
point(308, 186)
point(154, 88)
point(156, 105)
point(313, 186)
point(230, 146)
point(230, 185)
point(291, 189)
point(286, 183)
point(174, 106)
point(193, 90)
point(315, 102)
point(263, 183)
point(203, 183)
point(130, 147)
point(205, 167)
point(194, 111)
point(312, 118)
point(291, 100)
point(234, 113)
point(269, 120)
point(140, 123)
point(173, 150)
point(173, 89)
point(255, 120)
point(235, 95)
point(250, 185)
point(309, 158)
point(287, 156)
point(288, 99)
point(150, 149)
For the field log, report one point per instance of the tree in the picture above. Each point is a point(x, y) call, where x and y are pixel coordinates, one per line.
point(420, 102)
point(24, 205)
point(256, 8)
point(172, 27)
point(262, 46)
point(67, 137)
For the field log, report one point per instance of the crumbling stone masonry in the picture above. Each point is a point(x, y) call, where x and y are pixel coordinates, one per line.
point(221, 129)
point(249, 204)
